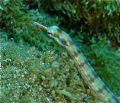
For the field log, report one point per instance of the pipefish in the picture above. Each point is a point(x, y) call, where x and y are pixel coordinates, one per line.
point(84, 68)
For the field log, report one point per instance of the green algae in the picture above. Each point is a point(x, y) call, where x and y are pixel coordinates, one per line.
point(17, 18)
point(106, 63)
point(95, 15)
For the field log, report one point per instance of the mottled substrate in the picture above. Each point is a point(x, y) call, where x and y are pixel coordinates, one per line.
point(31, 76)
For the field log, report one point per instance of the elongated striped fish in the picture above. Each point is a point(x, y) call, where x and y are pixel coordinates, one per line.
point(86, 71)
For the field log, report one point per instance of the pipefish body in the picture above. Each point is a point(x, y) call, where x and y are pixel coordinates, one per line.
point(86, 71)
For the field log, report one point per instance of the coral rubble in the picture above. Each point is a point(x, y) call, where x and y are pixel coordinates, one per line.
point(29, 75)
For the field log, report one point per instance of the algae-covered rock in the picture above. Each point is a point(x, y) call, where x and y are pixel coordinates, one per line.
point(30, 75)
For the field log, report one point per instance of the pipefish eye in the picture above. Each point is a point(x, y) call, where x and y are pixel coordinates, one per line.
point(50, 34)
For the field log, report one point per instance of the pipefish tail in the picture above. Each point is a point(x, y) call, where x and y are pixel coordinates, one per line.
point(86, 71)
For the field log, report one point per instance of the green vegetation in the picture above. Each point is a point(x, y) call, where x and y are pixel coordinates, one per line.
point(33, 64)
point(19, 19)
point(91, 16)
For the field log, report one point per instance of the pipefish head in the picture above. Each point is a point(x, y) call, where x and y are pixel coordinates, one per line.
point(61, 37)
